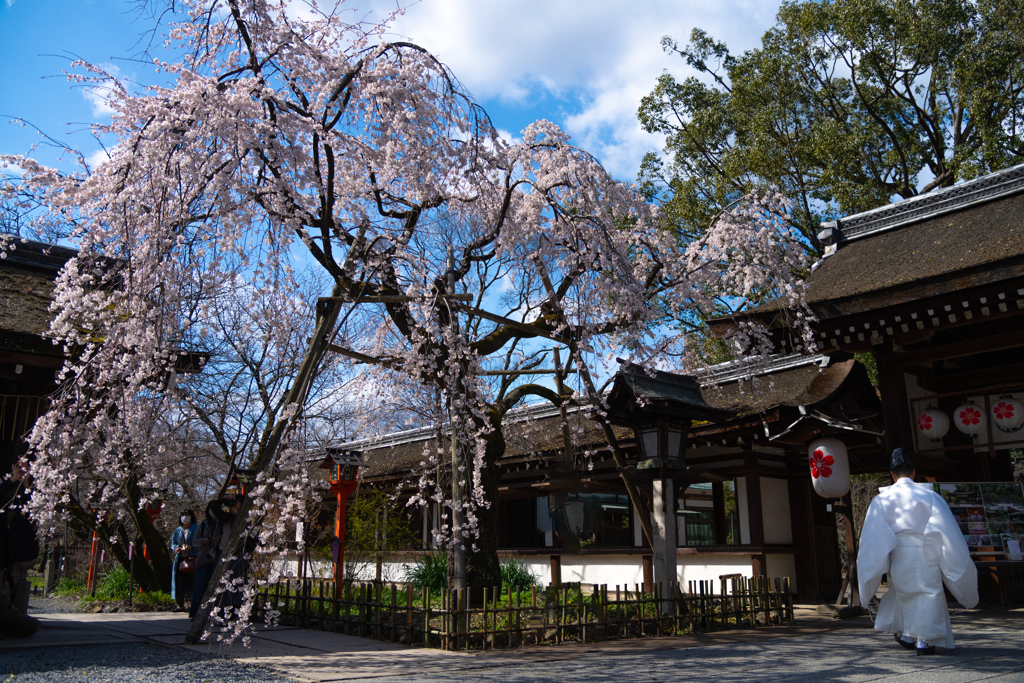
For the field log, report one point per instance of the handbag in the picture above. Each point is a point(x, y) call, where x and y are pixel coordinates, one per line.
point(187, 564)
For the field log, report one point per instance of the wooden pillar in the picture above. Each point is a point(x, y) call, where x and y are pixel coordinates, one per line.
point(755, 515)
point(851, 550)
point(718, 503)
point(892, 385)
point(663, 520)
point(556, 570)
point(648, 568)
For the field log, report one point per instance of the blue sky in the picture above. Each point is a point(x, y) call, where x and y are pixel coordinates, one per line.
point(583, 64)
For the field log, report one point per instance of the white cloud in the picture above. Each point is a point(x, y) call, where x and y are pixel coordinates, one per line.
point(98, 95)
point(97, 158)
point(8, 172)
point(590, 60)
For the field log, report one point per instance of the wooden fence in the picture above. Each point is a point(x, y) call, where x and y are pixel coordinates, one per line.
point(510, 618)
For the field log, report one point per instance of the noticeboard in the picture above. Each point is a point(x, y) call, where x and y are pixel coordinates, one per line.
point(991, 515)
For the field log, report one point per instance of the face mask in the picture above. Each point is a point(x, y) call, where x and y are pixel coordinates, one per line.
point(186, 520)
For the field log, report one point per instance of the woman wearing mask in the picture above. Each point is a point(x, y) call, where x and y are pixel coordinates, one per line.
point(182, 546)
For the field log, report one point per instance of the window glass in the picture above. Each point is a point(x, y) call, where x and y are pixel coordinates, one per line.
point(600, 520)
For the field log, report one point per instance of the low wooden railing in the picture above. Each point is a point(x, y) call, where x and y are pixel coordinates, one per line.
point(510, 618)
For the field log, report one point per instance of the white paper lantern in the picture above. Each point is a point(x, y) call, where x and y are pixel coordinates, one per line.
point(830, 467)
point(1008, 414)
point(933, 423)
point(969, 418)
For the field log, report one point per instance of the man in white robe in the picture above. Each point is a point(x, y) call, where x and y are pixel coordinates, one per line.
point(910, 534)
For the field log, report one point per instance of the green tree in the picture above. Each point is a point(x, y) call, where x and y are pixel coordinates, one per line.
point(377, 527)
point(846, 105)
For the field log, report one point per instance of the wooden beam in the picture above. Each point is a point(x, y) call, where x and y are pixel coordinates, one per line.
point(961, 349)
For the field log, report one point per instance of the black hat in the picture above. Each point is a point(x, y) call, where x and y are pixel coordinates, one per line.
point(900, 459)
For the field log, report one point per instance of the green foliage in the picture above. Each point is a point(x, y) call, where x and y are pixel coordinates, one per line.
point(154, 599)
point(68, 586)
point(517, 576)
point(430, 571)
point(846, 104)
point(376, 523)
point(867, 359)
point(114, 584)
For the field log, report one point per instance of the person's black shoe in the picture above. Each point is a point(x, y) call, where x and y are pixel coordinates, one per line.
point(930, 650)
point(904, 644)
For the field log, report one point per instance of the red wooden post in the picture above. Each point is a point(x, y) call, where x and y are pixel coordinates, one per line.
point(345, 466)
point(92, 562)
point(342, 489)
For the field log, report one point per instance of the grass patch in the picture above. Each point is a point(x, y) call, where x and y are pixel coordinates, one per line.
point(430, 571)
point(69, 586)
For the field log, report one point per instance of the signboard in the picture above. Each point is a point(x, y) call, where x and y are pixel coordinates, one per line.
point(991, 515)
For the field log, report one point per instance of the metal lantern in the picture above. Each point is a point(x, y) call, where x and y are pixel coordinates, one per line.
point(969, 419)
point(933, 424)
point(830, 467)
point(1008, 414)
point(661, 443)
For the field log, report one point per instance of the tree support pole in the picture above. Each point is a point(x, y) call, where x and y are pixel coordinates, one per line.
point(266, 458)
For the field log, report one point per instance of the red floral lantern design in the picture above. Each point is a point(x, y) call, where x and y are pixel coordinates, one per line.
point(1008, 414)
point(830, 467)
point(969, 419)
point(933, 424)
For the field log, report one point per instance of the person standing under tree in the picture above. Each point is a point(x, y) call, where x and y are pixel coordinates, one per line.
point(183, 547)
point(910, 534)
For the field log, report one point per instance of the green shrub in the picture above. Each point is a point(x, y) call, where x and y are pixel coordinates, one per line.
point(114, 584)
point(517, 576)
point(430, 571)
point(154, 599)
point(68, 586)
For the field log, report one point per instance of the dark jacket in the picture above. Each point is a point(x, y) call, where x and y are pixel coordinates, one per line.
point(18, 540)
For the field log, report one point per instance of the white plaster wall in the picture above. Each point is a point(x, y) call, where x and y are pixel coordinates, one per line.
point(778, 525)
point(710, 567)
point(627, 570)
point(610, 570)
point(779, 566)
point(605, 569)
point(741, 510)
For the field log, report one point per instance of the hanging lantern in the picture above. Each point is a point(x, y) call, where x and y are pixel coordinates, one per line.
point(830, 467)
point(933, 424)
point(1008, 414)
point(969, 419)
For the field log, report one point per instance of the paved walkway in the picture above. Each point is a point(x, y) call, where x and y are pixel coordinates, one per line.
point(990, 648)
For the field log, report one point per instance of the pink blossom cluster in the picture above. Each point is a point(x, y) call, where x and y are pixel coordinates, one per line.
point(289, 140)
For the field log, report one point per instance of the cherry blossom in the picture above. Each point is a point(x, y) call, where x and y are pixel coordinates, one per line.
point(452, 255)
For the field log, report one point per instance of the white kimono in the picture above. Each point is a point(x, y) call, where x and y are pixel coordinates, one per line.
point(910, 534)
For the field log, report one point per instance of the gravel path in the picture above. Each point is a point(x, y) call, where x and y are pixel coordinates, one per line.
point(37, 604)
point(119, 663)
point(124, 663)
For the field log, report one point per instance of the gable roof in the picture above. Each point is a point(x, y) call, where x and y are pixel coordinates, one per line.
point(534, 432)
point(963, 230)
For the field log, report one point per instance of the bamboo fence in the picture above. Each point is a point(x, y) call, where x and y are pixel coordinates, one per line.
point(571, 612)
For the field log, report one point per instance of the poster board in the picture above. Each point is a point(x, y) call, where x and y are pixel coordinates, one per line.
point(990, 515)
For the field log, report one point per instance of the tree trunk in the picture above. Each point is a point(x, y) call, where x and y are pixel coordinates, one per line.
point(266, 458)
point(483, 570)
